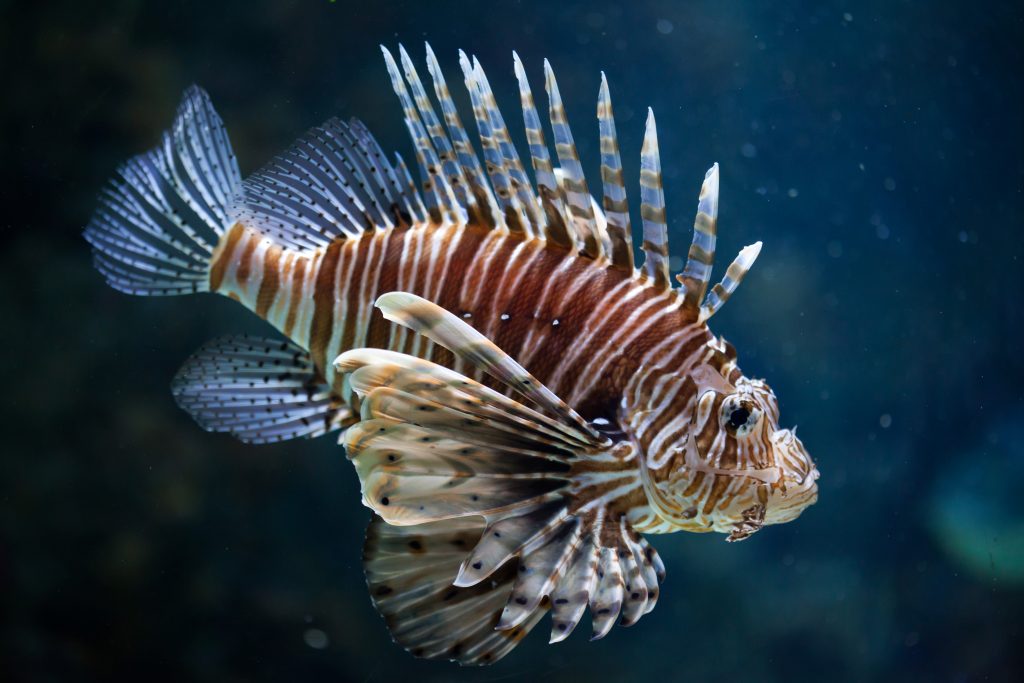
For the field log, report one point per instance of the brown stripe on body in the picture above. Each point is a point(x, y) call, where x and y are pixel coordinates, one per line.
point(298, 276)
point(379, 328)
point(323, 304)
point(271, 280)
point(244, 269)
point(351, 289)
point(222, 257)
point(465, 251)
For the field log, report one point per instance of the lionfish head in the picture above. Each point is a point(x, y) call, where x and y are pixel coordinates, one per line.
point(714, 455)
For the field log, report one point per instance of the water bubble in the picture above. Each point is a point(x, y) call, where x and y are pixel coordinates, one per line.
point(748, 150)
point(885, 420)
point(315, 638)
point(665, 26)
point(793, 193)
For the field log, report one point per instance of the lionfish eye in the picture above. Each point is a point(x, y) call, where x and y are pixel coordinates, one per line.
point(739, 416)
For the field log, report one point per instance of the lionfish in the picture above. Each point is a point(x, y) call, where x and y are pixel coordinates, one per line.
point(521, 403)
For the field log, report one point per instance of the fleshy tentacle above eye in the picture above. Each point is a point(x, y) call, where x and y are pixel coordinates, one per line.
point(491, 508)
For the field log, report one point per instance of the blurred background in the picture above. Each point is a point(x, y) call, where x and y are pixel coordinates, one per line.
point(875, 147)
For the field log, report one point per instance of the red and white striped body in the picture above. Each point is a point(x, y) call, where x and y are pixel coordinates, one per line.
point(578, 325)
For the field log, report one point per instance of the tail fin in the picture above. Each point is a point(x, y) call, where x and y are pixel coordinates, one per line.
point(159, 221)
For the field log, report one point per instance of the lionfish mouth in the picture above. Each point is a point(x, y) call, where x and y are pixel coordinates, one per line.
point(799, 477)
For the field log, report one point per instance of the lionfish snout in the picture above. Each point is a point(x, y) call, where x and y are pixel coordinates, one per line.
point(798, 483)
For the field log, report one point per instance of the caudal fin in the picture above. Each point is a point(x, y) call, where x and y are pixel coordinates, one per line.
point(159, 220)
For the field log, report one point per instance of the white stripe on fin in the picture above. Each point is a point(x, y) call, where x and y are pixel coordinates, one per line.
point(576, 192)
point(551, 198)
point(652, 208)
point(697, 272)
point(409, 572)
point(441, 200)
point(473, 171)
point(734, 275)
point(616, 206)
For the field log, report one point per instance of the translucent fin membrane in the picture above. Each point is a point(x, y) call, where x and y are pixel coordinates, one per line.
point(157, 224)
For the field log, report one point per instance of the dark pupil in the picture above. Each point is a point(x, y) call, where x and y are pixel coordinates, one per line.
point(739, 418)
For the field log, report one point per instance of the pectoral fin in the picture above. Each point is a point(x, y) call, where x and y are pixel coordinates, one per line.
point(504, 506)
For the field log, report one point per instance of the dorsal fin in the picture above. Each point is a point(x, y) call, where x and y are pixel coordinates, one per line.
point(558, 206)
point(552, 201)
point(652, 208)
point(442, 146)
point(576, 192)
point(471, 167)
point(413, 199)
point(330, 183)
point(521, 186)
point(697, 271)
point(440, 197)
point(493, 158)
point(616, 207)
point(734, 275)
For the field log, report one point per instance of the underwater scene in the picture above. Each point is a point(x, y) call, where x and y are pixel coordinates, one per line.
point(391, 341)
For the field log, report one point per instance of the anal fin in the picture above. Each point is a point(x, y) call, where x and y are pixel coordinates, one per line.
point(258, 390)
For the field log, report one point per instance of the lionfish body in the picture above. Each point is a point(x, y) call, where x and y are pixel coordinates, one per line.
point(520, 402)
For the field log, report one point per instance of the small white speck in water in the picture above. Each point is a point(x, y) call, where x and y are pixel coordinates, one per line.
point(504, 316)
point(467, 315)
point(555, 322)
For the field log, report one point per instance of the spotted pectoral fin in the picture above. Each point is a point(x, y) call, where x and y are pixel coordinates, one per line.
point(409, 572)
point(521, 489)
point(259, 390)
